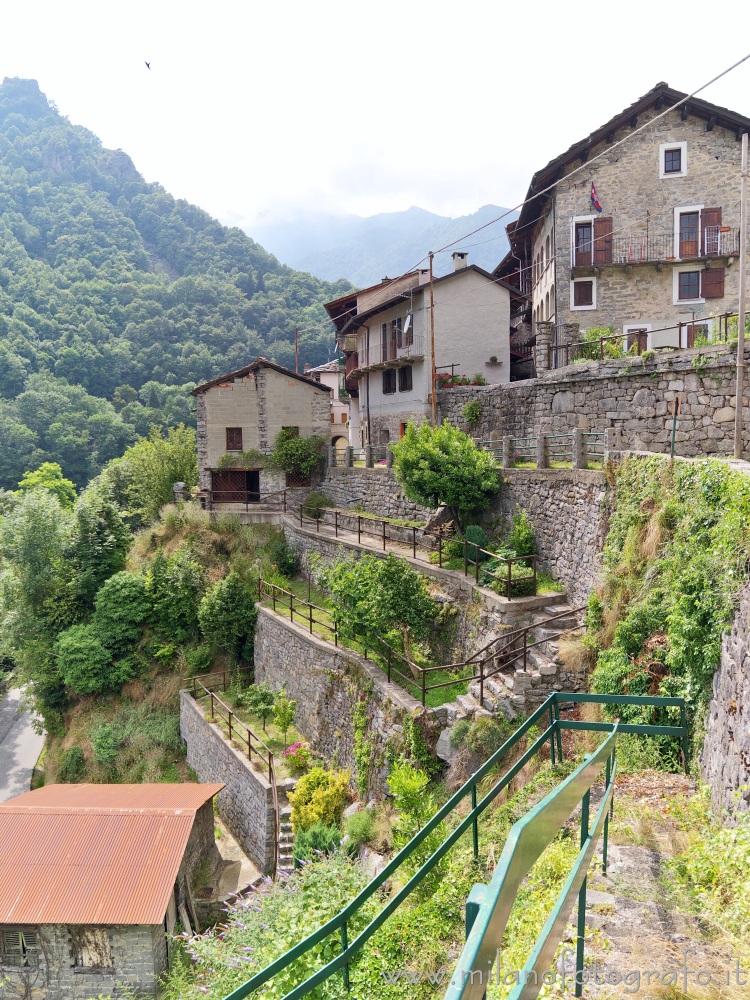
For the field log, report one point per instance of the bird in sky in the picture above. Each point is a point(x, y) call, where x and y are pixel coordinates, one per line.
point(148, 64)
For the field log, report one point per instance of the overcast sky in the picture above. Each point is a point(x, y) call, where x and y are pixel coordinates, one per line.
point(254, 109)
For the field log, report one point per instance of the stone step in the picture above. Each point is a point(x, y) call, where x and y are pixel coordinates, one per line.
point(468, 703)
point(285, 826)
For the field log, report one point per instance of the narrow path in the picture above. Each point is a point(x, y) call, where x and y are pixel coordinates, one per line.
point(20, 746)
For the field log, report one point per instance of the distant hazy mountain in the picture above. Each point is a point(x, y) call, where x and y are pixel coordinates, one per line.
point(364, 250)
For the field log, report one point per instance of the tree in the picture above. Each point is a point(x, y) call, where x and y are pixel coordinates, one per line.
point(283, 712)
point(49, 477)
point(99, 542)
point(381, 598)
point(152, 466)
point(260, 700)
point(227, 615)
point(299, 456)
point(442, 465)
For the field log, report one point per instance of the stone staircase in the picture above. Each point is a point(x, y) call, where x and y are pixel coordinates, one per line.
point(512, 689)
point(286, 837)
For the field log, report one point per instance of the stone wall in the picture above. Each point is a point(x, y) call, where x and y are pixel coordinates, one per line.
point(725, 761)
point(631, 395)
point(139, 957)
point(375, 490)
point(246, 802)
point(328, 683)
point(566, 508)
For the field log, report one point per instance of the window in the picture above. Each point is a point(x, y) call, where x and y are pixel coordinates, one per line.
point(583, 293)
point(19, 946)
point(582, 244)
point(333, 417)
point(91, 948)
point(234, 439)
point(688, 285)
point(405, 379)
point(672, 159)
point(343, 418)
point(389, 382)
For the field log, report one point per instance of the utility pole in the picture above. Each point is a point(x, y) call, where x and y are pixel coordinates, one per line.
point(432, 347)
point(741, 310)
point(296, 350)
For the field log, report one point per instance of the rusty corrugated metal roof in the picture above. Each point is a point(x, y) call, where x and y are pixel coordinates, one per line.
point(105, 859)
point(162, 797)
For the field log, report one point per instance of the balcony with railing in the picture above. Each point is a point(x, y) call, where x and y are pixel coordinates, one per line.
point(656, 248)
point(387, 354)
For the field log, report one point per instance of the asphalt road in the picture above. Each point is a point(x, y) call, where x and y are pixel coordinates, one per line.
point(20, 746)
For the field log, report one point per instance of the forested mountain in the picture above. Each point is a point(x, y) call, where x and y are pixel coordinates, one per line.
point(363, 250)
point(115, 297)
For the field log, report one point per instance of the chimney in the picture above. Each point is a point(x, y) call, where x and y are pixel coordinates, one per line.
point(307, 368)
point(459, 260)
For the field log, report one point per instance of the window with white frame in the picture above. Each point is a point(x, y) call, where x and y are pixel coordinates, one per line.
point(672, 160)
point(687, 285)
point(583, 293)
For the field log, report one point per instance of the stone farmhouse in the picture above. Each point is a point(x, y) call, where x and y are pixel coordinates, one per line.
point(243, 412)
point(385, 333)
point(641, 235)
point(92, 879)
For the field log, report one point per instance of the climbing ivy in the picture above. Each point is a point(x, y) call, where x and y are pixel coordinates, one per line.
point(362, 747)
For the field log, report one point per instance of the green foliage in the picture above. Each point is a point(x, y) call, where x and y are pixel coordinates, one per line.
point(459, 732)
point(121, 607)
point(415, 806)
point(362, 747)
point(282, 556)
point(252, 459)
point(315, 842)
point(260, 699)
point(145, 475)
point(49, 477)
point(315, 503)
point(227, 615)
point(360, 827)
point(106, 741)
point(198, 660)
point(443, 465)
point(477, 539)
point(320, 796)
point(84, 661)
point(283, 712)
point(99, 543)
point(522, 538)
point(297, 455)
point(381, 597)
point(675, 557)
point(73, 765)
point(485, 736)
point(417, 748)
point(175, 585)
point(472, 412)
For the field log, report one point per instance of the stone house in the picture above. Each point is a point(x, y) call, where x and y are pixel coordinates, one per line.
point(385, 332)
point(242, 413)
point(344, 416)
point(641, 235)
point(92, 880)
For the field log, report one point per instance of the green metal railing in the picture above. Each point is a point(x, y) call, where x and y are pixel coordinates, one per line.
point(547, 715)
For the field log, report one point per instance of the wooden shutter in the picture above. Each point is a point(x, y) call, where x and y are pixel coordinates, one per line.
point(712, 283)
point(711, 219)
point(234, 439)
point(603, 240)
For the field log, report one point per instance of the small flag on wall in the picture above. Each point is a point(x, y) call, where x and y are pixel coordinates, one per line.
point(594, 200)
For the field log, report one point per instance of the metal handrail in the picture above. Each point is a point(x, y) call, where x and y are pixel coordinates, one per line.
point(338, 924)
point(488, 907)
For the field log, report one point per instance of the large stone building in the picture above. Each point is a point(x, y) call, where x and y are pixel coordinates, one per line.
point(386, 334)
point(92, 880)
point(239, 417)
point(640, 231)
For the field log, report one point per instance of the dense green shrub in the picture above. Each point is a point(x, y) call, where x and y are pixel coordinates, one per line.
point(521, 538)
point(318, 840)
point(415, 806)
point(175, 585)
point(472, 412)
point(477, 539)
point(73, 765)
point(361, 827)
point(315, 503)
point(485, 736)
point(83, 661)
point(121, 608)
point(298, 455)
point(320, 796)
point(227, 616)
point(99, 543)
point(458, 733)
point(106, 740)
point(198, 660)
point(281, 555)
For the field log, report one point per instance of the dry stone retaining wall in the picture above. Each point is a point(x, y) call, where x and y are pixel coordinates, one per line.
point(246, 802)
point(375, 490)
point(630, 395)
point(328, 683)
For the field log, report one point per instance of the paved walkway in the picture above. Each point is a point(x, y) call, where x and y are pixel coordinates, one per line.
point(20, 746)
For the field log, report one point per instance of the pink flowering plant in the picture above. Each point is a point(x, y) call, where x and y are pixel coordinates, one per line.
point(298, 756)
